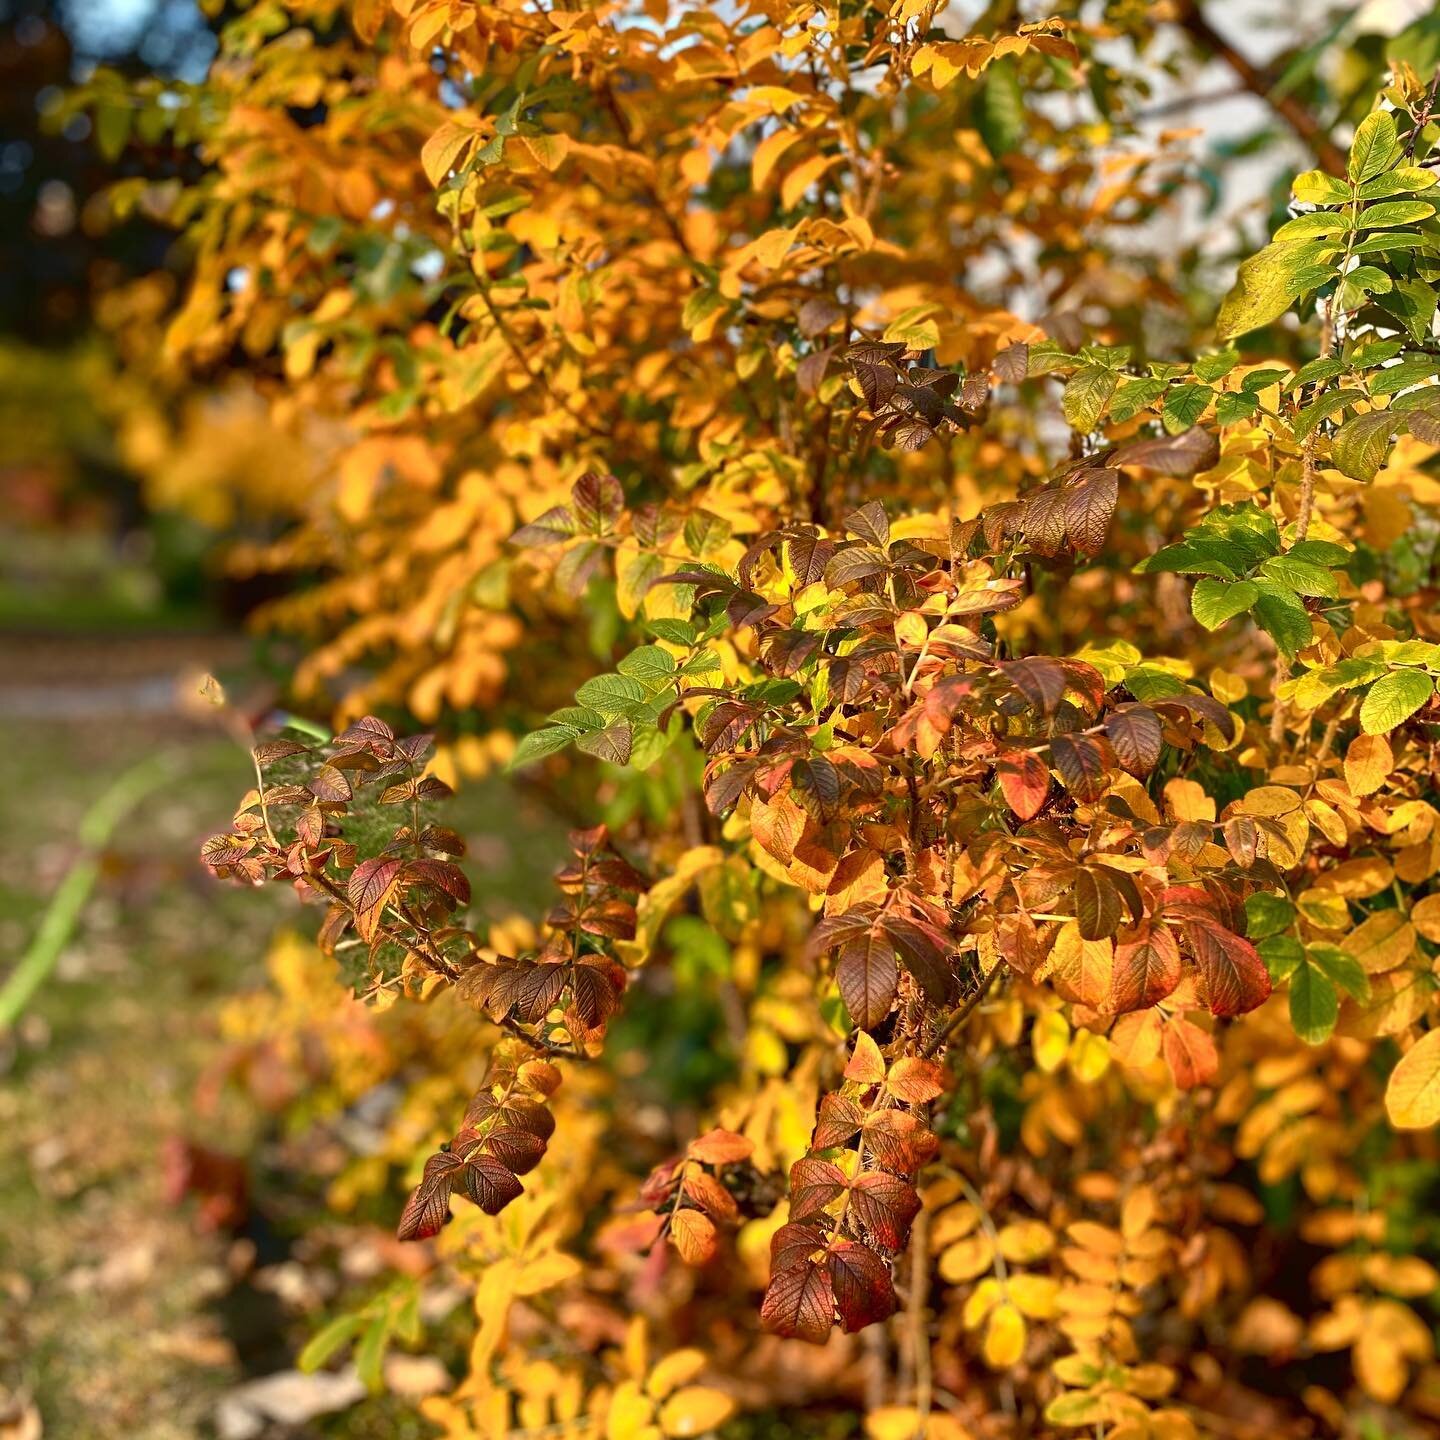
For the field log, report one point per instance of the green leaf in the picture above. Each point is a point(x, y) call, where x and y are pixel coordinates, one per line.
point(1412, 302)
point(1392, 699)
point(1000, 109)
point(1361, 444)
point(1282, 954)
point(1231, 409)
point(1306, 227)
point(674, 632)
point(1257, 380)
point(1213, 602)
point(1341, 968)
point(1376, 147)
point(1085, 397)
point(1283, 618)
point(1300, 576)
point(576, 717)
point(1321, 408)
point(1320, 552)
point(1153, 682)
point(1412, 371)
point(1403, 181)
point(1186, 560)
point(540, 743)
point(650, 665)
point(1322, 368)
point(1314, 1007)
point(1217, 366)
point(370, 1354)
point(612, 695)
point(1267, 915)
point(1133, 396)
point(1390, 213)
point(327, 1340)
point(1184, 405)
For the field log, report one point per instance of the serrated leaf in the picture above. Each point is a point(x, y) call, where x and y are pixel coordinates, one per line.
point(1376, 146)
point(540, 743)
point(1361, 443)
point(1086, 394)
point(1300, 576)
point(1393, 699)
point(1213, 602)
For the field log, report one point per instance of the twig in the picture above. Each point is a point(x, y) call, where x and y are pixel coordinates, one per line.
point(1422, 115)
point(1261, 82)
point(962, 1014)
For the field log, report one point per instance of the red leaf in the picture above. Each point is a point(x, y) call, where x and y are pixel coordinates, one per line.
point(710, 1195)
point(1189, 1052)
point(1089, 507)
point(489, 1184)
point(518, 1150)
point(440, 875)
point(1084, 763)
point(428, 1207)
point(868, 977)
point(885, 1205)
point(793, 1245)
point(1146, 971)
point(1137, 735)
point(861, 1285)
point(1234, 976)
point(1097, 903)
point(814, 1183)
point(898, 1140)
point(839, 1122)
point(720, 1147)
point(916, 1080)
point(1024, 781)
point(800, 1302)
point(372, 883)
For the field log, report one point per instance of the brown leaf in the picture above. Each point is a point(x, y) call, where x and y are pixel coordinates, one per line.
point(800, 1302)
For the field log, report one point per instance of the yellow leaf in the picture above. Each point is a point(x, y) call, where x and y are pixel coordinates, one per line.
point(966, 1259)
point(768, 153)
point(677, 1368)
point(630, 1415)
point(442, 151)
point(1367, 762)
point(694, 1410)
point(1412, 1098)
point(1050, 1040)
point(548, 151)
point(1024, 1241)
point(1004, 1342)
point(1426, 917)
point(1034, 1295)
point(802, 177)
point(1381, 942)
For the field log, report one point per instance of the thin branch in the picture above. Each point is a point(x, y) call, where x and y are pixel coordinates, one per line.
point(1261, 82)
point(962, 1014)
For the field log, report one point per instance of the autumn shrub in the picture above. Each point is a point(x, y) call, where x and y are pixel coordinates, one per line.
point(1019, 733)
